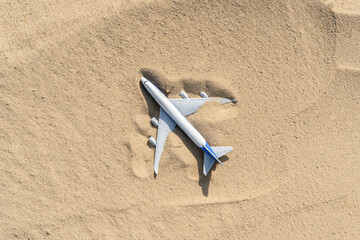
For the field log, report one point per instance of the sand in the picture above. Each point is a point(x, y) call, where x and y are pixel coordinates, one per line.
point(74, 119)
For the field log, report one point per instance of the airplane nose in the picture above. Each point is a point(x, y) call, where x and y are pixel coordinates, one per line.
point(143, 80)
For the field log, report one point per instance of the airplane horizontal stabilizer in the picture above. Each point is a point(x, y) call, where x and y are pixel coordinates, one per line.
point(209, 161)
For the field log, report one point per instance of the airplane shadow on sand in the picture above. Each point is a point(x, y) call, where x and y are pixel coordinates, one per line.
point(153, 110)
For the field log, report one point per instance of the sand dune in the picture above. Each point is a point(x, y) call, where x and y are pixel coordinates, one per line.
point(75, 162)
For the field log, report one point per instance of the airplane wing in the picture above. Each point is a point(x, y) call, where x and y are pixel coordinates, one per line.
point(166, 125)
point(189, 106)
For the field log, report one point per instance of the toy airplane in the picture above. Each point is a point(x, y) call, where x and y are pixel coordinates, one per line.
point(172, 113)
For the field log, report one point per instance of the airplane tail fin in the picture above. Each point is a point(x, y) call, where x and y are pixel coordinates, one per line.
point(209, 161)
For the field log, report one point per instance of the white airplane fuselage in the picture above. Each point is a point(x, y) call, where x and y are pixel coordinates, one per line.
point(178, 118)
point(174, 113)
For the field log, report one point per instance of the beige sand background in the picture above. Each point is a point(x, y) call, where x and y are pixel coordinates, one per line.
point(74, 157)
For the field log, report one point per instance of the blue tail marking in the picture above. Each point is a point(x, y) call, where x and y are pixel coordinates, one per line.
point(208, 150)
